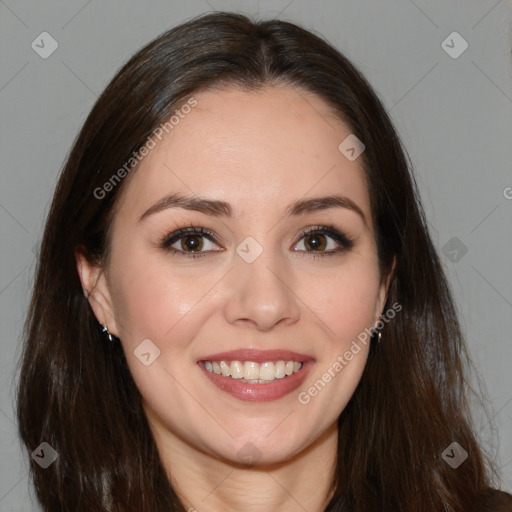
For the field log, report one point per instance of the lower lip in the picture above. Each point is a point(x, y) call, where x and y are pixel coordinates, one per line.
point(259, 392)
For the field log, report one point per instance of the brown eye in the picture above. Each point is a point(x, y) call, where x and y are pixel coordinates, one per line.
point(323, 241)
point(192, 243)
point(315, 242)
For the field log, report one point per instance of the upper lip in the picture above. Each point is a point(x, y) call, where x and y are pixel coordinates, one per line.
point(257, 356)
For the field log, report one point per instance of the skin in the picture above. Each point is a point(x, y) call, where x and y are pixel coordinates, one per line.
point(259, 151)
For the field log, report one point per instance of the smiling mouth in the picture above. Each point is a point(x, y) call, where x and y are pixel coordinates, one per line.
point(251, 372)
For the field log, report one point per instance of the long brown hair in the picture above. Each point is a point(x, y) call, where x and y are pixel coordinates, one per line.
point(76, 392)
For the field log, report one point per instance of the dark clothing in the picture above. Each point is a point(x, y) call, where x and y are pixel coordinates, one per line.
point(496, 501)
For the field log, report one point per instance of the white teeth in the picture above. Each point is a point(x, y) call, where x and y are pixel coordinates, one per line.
point(267, 371)
point(280, 368)
point(237, 370)
point(253, 373)
point(251, 370)
point(224, 368)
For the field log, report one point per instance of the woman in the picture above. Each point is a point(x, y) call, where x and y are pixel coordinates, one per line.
point(237, 304)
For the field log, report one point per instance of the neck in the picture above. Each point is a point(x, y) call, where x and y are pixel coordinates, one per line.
point(208, 484)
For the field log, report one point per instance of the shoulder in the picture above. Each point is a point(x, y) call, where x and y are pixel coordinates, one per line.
point(496, 501)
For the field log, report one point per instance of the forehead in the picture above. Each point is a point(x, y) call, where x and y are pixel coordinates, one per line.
point(256, 149)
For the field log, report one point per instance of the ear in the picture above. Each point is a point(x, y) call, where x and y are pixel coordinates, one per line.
point(96, 290)
point(383, 290)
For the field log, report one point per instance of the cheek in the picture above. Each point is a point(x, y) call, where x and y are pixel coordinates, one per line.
point(155, 300)
point(345, 306)
point(345, 299)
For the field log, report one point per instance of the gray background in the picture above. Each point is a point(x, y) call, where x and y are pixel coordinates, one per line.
point(454, 116)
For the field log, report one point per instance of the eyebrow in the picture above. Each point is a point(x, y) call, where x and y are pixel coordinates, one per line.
point(217, 208)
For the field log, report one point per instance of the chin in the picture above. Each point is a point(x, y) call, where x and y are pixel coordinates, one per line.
point(259, 454)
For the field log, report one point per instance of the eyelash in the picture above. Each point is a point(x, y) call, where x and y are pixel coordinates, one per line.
point(345, 242)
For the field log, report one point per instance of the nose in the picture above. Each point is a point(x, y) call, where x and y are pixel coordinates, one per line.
point(261, 294)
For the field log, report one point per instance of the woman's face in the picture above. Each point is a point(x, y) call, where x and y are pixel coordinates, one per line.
point(252, 282)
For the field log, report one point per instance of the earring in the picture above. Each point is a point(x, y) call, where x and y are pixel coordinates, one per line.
point(379, 337)
point(106, 334)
